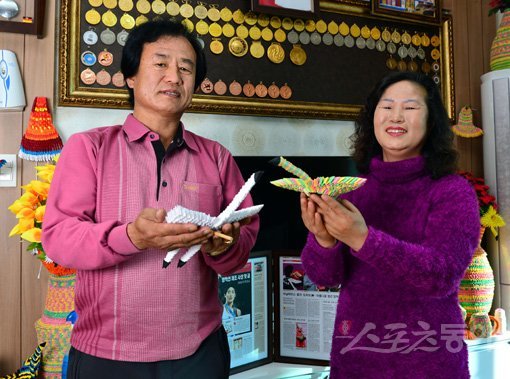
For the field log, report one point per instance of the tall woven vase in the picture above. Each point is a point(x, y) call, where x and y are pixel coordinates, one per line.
point(476, 290)
point(52, 327)
point(500, 49)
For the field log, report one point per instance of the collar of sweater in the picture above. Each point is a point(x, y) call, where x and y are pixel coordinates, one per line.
point(402, 171)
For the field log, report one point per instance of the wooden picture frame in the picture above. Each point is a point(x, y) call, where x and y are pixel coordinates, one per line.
point(423, 11)
point(297, 8)
point(332, 84)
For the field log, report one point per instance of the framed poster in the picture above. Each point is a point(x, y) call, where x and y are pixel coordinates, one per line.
point(298, 8)
point(426, 11)
point(304, 313)
point(247, 312)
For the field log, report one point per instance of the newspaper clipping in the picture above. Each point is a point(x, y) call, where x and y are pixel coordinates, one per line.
point(307, 313)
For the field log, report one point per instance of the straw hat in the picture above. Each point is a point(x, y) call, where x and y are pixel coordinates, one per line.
point(465, 128)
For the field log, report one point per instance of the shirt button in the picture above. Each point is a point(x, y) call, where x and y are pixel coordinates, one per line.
point(164, 184)
point(151, 136)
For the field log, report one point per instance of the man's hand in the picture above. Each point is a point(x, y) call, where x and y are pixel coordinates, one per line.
point(150, 230)
point(217, 245)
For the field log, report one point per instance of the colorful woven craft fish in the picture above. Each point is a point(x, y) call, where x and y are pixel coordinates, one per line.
point(30, 368)
point(329, 185)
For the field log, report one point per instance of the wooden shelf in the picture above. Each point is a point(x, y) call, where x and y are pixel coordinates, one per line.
point(35, 27)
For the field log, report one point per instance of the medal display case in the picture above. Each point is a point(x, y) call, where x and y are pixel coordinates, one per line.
point(318, 65)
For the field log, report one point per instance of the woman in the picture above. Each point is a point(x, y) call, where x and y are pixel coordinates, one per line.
point(400, 244)
point(229, 310)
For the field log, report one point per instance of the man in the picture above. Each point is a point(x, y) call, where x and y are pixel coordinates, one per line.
point(105, 217)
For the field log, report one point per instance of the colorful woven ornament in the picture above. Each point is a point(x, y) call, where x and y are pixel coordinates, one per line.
point(41, 141)
point(30, 368)
point(329, 185)
point(500, 49)
point(465, 127)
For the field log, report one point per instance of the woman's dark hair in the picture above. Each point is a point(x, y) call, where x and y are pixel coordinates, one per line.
point(151, 31)
point(438, 150)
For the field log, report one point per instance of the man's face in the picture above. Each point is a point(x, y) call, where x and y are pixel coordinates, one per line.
point(165, 81)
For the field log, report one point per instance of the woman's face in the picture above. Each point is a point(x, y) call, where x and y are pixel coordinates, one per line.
point(230, 295)
point(400, 121)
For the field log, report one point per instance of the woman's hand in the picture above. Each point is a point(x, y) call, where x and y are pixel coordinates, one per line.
point(342, 220)
point(314, 223)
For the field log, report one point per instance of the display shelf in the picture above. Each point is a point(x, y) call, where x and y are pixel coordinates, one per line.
point(34, 27)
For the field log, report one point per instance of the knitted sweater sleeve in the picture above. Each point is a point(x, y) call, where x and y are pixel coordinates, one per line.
point(435, 266)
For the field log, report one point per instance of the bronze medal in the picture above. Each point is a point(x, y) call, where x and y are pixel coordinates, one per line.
point(213, 13)
point(275, 22)
point(275, 53)
point(88, 76)
point(238, 46)
point(435, 41)
point(206, 86)
point(118, 80)
point(126, 5)
point(425, 67)
point(297, 55)
point(280, 36)
point(105, 58)
point(402, 66)
point(220, 88)
point(391, 63)
point(412, 66)
point(435, 54)
point(285, 92)
point(226, 14)
point(273, 91)
point(242, 31)
point(263, 20)
point(103, 78)
point(216, 46)
point(257, 50)
point(228, 30)
point(235, 88)
point(201, 11)
point(248, 89)
point(172, 8)
point(92, 17)
point(186, 10)
point(261, 90)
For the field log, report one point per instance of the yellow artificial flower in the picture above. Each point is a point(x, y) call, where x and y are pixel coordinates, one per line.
point(26, 213)
point(22, 226)
point(27, 200)
point(38, 188)
point(491, 219)
point(39, 213)
point(32, 235)
point(46, 172)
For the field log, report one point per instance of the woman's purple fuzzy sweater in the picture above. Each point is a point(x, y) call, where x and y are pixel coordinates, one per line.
point(398, 314)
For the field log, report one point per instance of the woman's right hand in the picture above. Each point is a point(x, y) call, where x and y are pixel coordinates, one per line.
point(314, 223)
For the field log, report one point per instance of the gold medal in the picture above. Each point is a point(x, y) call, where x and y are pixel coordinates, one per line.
point(395, 37)
point(158, 7)
point(365, 32)
point(172, 8)
point(287, 23)
point(109, 19)
point(188, 24)
point(310, 26)
point(299, 25)
point(435, 54)
point(344, 29)
point(186, 10)
point(280, 36)
point(416, 40)
point(255, 33)
point(92, 17)
point(391, 63)
point(202, 27)
point(126, 5)
point(261, 90)
point(235, 88)
point(226, 14)
point(95, 3)
point(275, 53)
point(267, 34)
point(263, 20)
point(386, 35)
point(425, 40)
point(88, 76)
point(333, 28)
point(110, 4)
point(435, 41)
point(275, 22)
point(285, 92)
point(228, 30)
point(375, 33)
point(248, 89)
point(213, 14)
point(143, 6)
point(201, 11)
point(297, 55)
point(141, 20)
point(257, 50)
point(321, 26)
point(406, 38)
point(273, 91)
point(355, 31)
point(238, 46)
point(250, 18)
point(238, 16)
point(242, 31)
point(215, 29)
point(127, 21)
point(216, 46)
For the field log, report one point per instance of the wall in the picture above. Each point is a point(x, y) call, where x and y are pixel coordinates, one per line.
point(22, 293)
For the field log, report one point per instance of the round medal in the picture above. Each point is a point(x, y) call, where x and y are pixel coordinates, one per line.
point(435, 67)
point(261, 90)
point(285, 92)
point(338, 40)
point(92, 17)
point(435, 41)
point(355, 31)
point(88, 58)
point(206, 86)
point(275, 53)
point(370, 43)
point(118, 80)
point(103, 78)
point(254, 33)
point(411, 51)
point(220, 88)
point(425, 40)
point(250, 18)
point(88, 76)
point(375, 33)
point(107, 37)
point(238, 46)
point(189, 25)
point(327, 39)
point(435, 54)
point(105, 58)
point(309, 27)
point(110, 4)
point(215, 29)
point(402, 51)
point(287, 24)
point(172, 8)
point(202, 28)
point(126, 5)
point(216, 46)
point(158, 7)
point(299, 25)
point(225, 14)
point(412, 66)
point(235, 88)
point(391, 48)
point(391, 63)
point(280, 36)
point(127, 21)
point(201, 11)
point(365, 32)
point(267, 34)
point(436, 79)
point(238, 17)
point(275, 22)
point(248, 89)
point(386, 35)
point(273, 91)
point(228, 30)
point(406, 38)
point(90, 37)
point(420, 53)
point(304, 37)
point(380, 45)
point(143, 6)
point(263, 20)
point(95, 3)
point(242, 31)
point(416, 40)
point(396, 37)
point(257, 50)
point(186, 10)
point(361, 43)
point(321, 26)
point(315, 38)
point(425, 67)
point(122, 37)
point(214, 15)
point(109, 18)
point(402, 66)
point(349, 41)
point(333, 28)
point(297, 55)
point(344, 29)
point(292, 37)
point(141, 20)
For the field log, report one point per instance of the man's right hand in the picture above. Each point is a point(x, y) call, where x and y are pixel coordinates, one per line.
point(150, 230)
